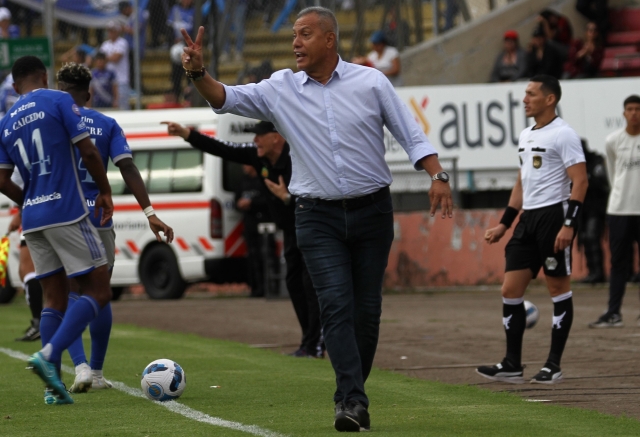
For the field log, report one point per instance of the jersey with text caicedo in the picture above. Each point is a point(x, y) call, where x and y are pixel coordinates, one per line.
point(110, 141)
point(545, 155)
point(37, 136)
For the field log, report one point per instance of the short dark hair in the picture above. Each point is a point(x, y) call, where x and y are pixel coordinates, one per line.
point(76, 75)
point(634, 98)
point(329, 22)
point(100, 55)
point(548, 85)
point(27, 66)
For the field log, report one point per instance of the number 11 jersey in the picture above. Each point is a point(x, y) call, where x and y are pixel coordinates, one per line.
point(37, 136)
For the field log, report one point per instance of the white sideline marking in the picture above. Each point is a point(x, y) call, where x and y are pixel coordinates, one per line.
point(173, 406)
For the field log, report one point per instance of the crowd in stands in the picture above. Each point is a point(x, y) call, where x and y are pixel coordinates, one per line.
point(552, 49)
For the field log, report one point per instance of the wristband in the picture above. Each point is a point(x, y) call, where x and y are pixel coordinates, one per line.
point(509, 216)
point(572, 213)
point(148, 211)
point(195, 75)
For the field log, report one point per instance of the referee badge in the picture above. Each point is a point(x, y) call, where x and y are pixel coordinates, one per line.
point(537, 161)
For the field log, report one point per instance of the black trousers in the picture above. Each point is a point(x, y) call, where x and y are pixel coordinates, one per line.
point(590, 233)
point(303, 295)
point(623, 231)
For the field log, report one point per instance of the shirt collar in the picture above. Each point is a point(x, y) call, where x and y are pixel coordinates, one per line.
point(339, 71)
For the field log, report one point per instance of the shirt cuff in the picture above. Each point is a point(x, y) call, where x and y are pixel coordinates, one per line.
point(229, 101)
point(422, 151)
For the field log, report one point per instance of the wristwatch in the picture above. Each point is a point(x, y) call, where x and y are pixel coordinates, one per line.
point(442, 176)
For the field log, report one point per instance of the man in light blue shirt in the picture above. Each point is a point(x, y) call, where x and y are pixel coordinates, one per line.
point(332, 113)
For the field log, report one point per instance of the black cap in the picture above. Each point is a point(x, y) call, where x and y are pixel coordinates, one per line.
point(261, 128)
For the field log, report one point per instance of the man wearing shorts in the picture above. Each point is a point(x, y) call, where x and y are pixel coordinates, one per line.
point(550, 188)
point(110, 140)
point(38, 136)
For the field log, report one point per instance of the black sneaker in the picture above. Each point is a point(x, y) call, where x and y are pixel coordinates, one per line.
point(504, 372)
point(549, 374)
point(608, 321)
point(32, 333)
point(353, 417)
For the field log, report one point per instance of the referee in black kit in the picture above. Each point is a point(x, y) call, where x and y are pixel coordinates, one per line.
point(550, 188)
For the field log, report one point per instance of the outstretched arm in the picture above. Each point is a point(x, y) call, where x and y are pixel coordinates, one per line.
point(208, 87)
point(134, 181)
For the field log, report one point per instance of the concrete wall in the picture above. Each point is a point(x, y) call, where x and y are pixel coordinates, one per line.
point(435, 252)
point(466, 54)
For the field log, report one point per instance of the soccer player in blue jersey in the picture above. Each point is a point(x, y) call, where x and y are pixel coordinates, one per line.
point(109, 138)
point(38, 136)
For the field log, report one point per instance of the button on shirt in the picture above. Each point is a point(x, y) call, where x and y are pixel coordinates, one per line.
point(335, 130)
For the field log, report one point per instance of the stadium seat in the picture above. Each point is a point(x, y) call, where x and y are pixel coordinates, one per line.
point(620, 66)
point(623, 38)
point(625, 19)
point(615, 51)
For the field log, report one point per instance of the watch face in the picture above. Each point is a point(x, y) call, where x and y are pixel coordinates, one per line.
point(444, 177)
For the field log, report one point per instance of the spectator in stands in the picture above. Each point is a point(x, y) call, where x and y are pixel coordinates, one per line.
point(556, 27)
point(8, 95)
point(269, 8)
point(511, 63)
point(181, 16)
point(104, 88)
point(557, 30)
point(596, 11)
point(177, 72)
point(127, 20)
point(161, 34)
point(383, 57)
point(116, 50)
point(585, 56)
point(8, 30)
point(251, 200)
point(450, 13)
point(543, 58)
point(238, 18)
point(82, 55)
point(397, 32)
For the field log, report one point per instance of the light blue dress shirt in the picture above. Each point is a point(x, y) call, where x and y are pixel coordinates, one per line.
point(335, 130)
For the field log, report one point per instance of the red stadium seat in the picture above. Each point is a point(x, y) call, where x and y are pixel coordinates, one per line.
point(612, 52)
point(623, 38)
point(621, 66)
point(625, 19)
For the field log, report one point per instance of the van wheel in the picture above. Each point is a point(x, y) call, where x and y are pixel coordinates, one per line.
point(160, 274)
point(116, 292)
point(7, 293)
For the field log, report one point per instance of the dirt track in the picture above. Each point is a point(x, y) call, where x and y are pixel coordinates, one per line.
point(442, 336)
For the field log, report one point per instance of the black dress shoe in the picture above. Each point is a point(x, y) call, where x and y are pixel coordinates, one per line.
point(592, 278)
point(352, 417)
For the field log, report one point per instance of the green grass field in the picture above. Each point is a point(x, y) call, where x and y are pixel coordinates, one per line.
point(279, 395)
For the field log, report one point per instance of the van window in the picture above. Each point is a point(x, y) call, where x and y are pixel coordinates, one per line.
point(163, 171)
point(231, 175)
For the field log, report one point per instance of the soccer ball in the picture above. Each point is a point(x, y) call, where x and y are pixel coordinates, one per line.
point(163, 380)
point(532, 314)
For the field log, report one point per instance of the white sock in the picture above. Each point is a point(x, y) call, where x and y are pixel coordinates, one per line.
point(97, 373)
point(46, 351)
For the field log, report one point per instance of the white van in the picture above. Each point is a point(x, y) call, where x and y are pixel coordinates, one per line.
point(191, 191)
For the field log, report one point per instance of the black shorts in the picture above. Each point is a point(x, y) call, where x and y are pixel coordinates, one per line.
point(531, 245)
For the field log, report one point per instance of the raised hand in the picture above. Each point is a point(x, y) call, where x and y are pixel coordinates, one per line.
point(192, 56)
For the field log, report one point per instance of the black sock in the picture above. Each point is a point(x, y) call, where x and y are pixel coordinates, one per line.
point(562, 319)
point(514, 319)
point(34, 289)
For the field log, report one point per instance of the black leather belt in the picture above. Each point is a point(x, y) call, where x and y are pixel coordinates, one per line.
point(357, 202)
